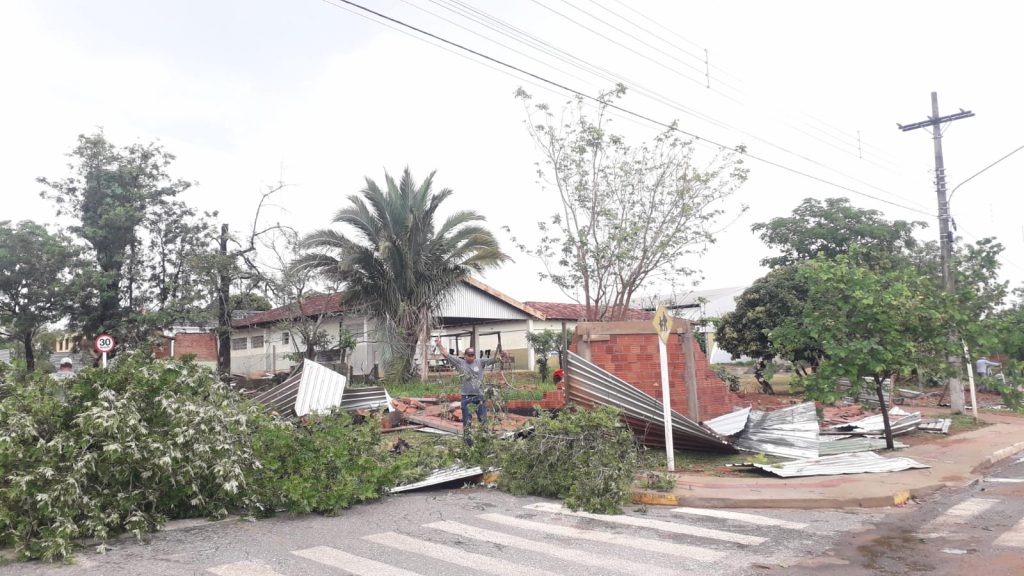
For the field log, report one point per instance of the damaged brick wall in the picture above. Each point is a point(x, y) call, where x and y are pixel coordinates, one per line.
point(629, 350)
point(203, 345)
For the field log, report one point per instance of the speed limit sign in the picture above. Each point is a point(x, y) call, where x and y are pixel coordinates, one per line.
point(105, 343)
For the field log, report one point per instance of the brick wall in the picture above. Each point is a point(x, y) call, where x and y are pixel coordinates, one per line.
point(203, 345)
point(631, 353)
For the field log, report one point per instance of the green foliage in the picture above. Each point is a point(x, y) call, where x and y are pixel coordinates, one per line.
point(726, 376)
point(587, 458)
point(626, 215)
point(659, 482)
point(36, 281)
point(831, 229)
point(543, 344)
point(326, 465)
point(1012, 393)
point(118, 450)
point(399, 264)
point(147, 246)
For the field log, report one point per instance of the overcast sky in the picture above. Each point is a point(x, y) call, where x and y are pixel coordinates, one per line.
point(250, 92)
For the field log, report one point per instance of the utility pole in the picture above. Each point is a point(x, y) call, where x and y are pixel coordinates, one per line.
point(956, 389)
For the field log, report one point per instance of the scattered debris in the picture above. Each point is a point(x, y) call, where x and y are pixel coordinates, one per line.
point(936, 426)
point(316, 388)
point(830, 445)
point(856, 463)
point(900, 421)
point(729, 424)
point(790, 432)
point(442, 476)
point(590, 385)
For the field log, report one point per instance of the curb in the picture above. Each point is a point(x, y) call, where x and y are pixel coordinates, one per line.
point(1003, 454)
point(898, 498)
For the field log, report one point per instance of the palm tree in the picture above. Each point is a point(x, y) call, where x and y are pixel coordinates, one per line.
point(395, 264)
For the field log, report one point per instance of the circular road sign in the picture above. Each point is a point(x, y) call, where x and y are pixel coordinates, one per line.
point(105, 343)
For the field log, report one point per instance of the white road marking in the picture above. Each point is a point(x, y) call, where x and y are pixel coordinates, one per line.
point(956, 515)
point(741, 517)
point(535, 546)
point(1013, 537)
point(351, 563)
point(478, 563)
point(243, 569)
point(1010, 480)
point(647, 544)
point(662, 525)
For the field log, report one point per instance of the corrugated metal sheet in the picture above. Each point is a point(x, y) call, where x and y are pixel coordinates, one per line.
point(468, 302)
point(937, 426)
point(369, 397)
point(830, 445)
point(590, 385)
point(791, 432)
point(284, 397)
point(320, 389)
point(450, 474)
point(900, 421)
point(5, 355)
point(281, 398)
point(731, 423)
point(857, 463)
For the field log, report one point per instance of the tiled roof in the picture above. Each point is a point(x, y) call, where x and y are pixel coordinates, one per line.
point(574, 312)
point(312, 306)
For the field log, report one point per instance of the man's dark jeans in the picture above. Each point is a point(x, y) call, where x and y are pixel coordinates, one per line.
point(481, 409)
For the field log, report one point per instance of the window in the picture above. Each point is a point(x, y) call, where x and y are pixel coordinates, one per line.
point(257, 342)
point(238, 343)
point(285, 338)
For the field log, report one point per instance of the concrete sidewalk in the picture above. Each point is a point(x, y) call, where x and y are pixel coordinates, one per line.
point(955, 461)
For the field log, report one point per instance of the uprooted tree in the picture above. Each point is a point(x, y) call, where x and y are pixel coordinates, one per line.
point(627, 214)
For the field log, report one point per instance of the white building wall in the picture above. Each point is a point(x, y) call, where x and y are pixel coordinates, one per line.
point(273, 356)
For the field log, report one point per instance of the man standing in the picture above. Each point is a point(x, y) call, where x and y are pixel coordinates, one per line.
point(66, 370)
point(471, 370)
point(983, 365)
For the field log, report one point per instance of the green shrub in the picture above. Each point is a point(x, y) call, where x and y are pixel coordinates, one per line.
point(586, 458)
point(118, 450)
point(325, 465)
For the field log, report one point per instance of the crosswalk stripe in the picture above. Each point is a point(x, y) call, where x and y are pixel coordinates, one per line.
point(1013, 537)
point(1011, 480)
point(243, 569)
point(351, 563)
point(476, 562)
point(955, 515)
point(569, 554)
point(647, 544)
point(662, 525)
point(741, 517)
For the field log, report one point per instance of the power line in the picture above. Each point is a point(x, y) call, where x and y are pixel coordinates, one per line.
point(622, 109)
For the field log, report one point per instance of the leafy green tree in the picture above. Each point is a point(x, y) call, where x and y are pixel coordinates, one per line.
point(832, 228)
point(626, 214)
point(36, 279)
point(396, 263)
point(249, 301)
point(144, 241)
point(870, 324)
point(543, 343)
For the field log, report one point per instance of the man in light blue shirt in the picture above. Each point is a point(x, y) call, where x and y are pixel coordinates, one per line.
point(983, 364)
point(471, 369)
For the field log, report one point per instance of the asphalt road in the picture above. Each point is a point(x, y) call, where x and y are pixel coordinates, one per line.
point(975, 530)
point(478, 531)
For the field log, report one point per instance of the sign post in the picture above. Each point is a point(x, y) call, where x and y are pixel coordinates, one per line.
point(663, 324)
point(105, 343)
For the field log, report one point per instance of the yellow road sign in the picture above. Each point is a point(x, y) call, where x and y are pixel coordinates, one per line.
point(662, 323)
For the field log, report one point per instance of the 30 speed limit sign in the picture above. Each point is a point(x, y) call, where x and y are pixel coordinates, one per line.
point(105, 343)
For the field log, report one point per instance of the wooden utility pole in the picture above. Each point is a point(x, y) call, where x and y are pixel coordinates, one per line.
point(223, 310)
point(956, 389)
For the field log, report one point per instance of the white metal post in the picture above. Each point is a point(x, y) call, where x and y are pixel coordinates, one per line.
point(666, 403)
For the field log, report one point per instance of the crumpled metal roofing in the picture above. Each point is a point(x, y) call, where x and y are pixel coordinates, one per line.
point(320, 389)
point(830, 445)
point(856, 463)
point(791, 432)
point(729, 424)
point(441, 476)
point(900, 421)
point(588, 384)
point(283, 398)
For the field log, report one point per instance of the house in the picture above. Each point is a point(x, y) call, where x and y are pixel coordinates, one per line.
point(474, 314)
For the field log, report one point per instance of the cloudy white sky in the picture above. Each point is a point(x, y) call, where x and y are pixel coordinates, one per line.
point(250, 92)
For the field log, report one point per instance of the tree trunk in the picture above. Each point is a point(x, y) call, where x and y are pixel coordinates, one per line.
point(223, 314)
point(885, 413)
point(30, 357)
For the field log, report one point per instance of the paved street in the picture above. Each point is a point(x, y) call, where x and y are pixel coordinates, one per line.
point(976, 530)
point(477, 531)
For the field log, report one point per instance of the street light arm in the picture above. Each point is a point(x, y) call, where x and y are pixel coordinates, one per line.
point(982, 170)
